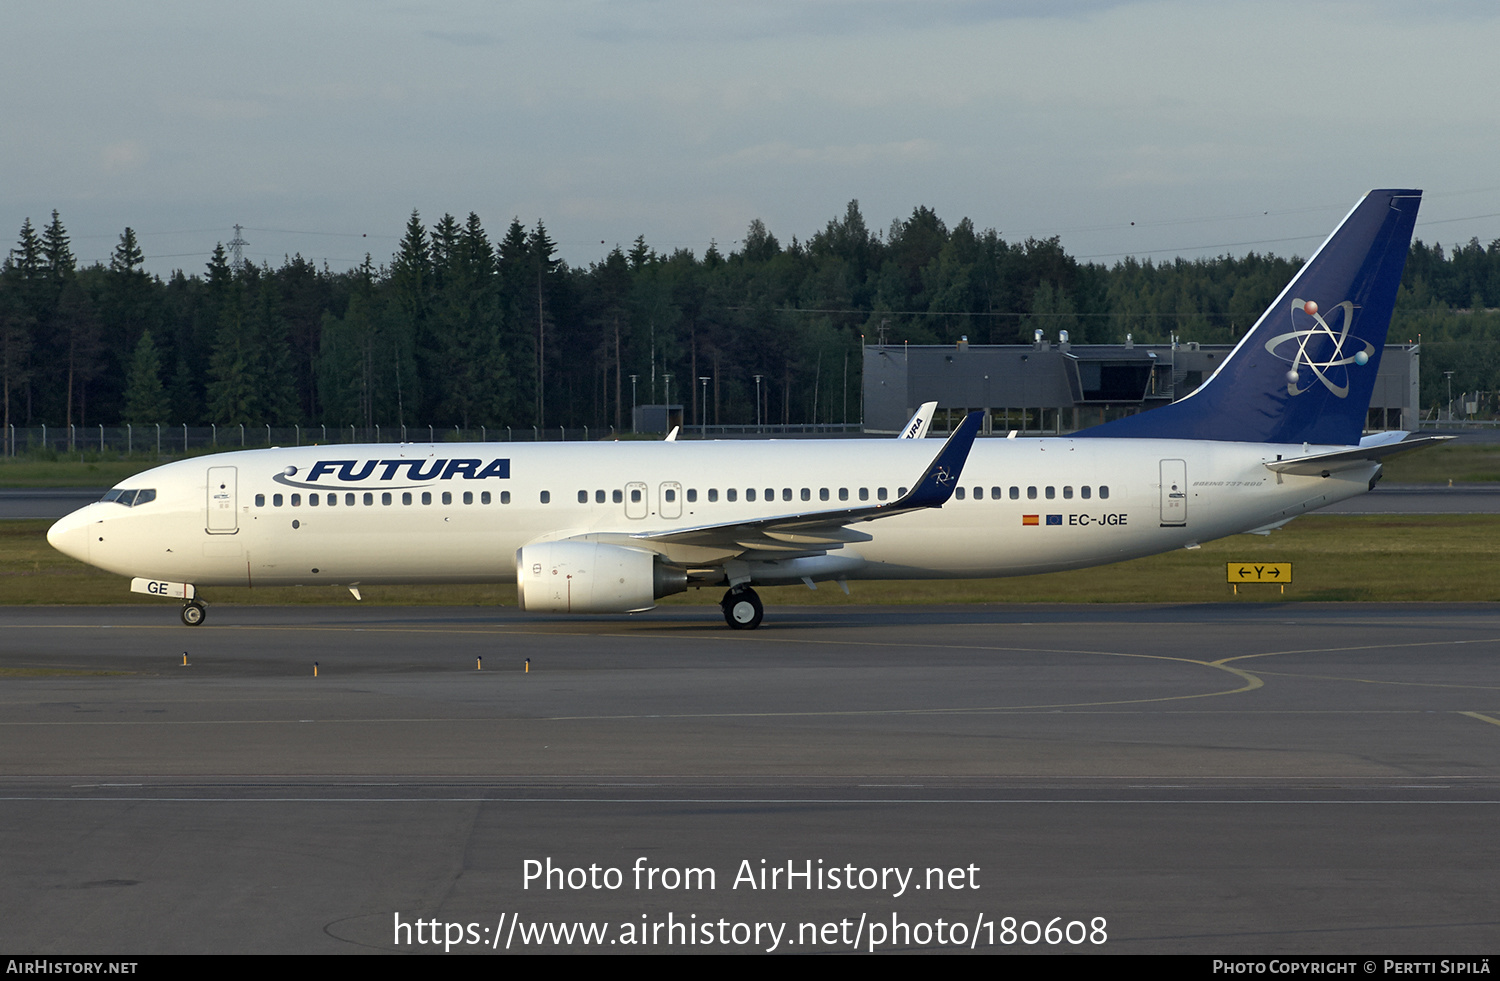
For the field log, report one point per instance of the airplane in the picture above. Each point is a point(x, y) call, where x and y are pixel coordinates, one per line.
point(613, 527)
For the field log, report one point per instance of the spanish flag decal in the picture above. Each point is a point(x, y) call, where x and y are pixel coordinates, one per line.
point(1029, 519)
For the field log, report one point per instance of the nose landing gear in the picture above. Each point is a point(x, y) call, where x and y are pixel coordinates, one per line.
point(193, 613)
point(742, 608)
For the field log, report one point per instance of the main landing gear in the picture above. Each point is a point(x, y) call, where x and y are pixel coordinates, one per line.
point(742, 608)
point(193, 613)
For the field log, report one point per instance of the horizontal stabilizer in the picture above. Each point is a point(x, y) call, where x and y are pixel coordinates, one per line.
point(1324, 464)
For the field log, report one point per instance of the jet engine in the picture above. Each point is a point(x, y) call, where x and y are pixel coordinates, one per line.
point(591, 577)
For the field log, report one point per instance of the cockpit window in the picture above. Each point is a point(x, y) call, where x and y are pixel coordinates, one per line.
point(129, 498)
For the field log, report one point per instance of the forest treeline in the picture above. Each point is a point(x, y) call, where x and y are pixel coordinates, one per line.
point(459, 329)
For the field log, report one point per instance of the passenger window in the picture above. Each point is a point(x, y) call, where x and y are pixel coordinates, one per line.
point(806, 494)
point(385, 499)
point(1084, 491)
point(692, 495)
point(713, 494)
point(1103, 493)
point(1015, 493)
point(1031, 493)
point(901, 492)
point(995, 493)
point(1051, 493)
point(468, 497)
point(733, 493)
point(427, 497)
point(349, 500)
point(843, 493)
point(617, 496)
point(786, 493)
point(749, 494)
point(635, 495)
point(583, 497)
point(979, 493)
point(504, 497)
point(546, 497)
point(958, 493)
point(312, 500)
point(405, 497)
point(823, 494)
point(670, 495)
point(864, 493)
point(447, 497)
point(296, 500)
point(1067, 493)
point(260, 500)
point(332, 499)
point(370, 499)
point(276, 500)
point(880, 493)
point(598, 497)
point(771, 494)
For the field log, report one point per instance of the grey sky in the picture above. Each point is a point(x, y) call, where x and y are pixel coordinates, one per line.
point(1215, 127)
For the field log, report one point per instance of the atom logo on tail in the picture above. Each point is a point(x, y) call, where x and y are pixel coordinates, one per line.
point(1328, 361)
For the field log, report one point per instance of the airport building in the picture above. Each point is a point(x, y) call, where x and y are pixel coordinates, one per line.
point(1058, 387)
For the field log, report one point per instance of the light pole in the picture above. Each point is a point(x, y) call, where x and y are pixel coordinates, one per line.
point(703, 406)
point(667, 376)
point(1449, 375)
point(757, 402)
point(632, 402)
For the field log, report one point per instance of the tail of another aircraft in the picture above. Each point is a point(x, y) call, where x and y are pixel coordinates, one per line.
point(1306, 370)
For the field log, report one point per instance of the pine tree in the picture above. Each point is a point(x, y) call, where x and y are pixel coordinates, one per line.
point(16, 326)
point(127, 256)
point(411, 270)
point(640, 255)
point(145, 396)
point(79, 335)
point(233, 392)
point(25, 265)
point(540, 249)
point(26, 257)
point(60, 263)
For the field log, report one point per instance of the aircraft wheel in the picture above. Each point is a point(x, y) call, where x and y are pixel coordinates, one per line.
point(193, 613)
point(742, 609)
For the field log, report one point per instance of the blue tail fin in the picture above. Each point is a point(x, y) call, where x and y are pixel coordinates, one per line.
point(1306, 370)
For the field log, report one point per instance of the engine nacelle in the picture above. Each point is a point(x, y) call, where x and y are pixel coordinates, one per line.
point(590, 577)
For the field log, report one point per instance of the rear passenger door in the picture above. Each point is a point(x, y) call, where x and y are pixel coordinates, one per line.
point(1173, 492)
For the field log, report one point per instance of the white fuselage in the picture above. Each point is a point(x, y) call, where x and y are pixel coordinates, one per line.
point(1027, 506)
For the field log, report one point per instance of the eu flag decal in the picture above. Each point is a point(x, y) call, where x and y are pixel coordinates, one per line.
point(1054, 519)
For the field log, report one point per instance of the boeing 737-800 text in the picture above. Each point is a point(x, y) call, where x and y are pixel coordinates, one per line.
point(612, 527)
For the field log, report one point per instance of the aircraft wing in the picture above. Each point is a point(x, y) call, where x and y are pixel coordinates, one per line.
point(1323, 464)
point(814, 532)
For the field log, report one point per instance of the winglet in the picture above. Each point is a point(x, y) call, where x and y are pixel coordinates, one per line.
point(938, 482)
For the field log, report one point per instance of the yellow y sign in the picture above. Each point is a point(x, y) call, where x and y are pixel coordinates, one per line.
point(1272, 572)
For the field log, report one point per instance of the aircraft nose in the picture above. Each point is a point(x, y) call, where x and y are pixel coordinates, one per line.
point(70, 535)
